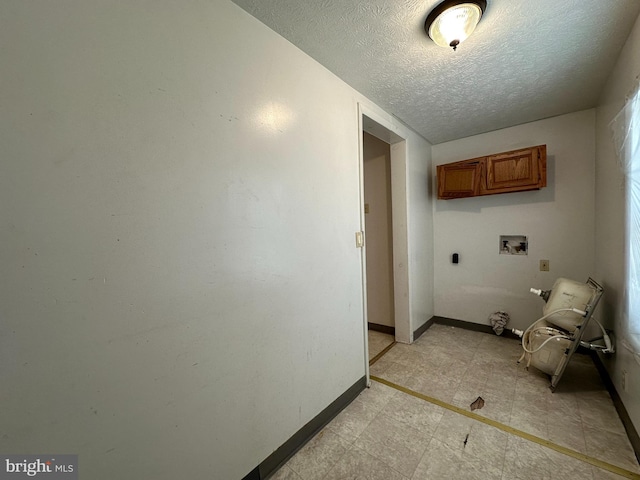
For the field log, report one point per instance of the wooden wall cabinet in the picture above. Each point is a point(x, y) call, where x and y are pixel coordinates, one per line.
point(514, 171)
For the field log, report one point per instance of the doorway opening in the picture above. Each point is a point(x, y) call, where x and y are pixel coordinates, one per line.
point(376, 163)
point(383, 196)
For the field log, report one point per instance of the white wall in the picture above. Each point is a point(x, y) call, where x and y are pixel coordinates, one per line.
point(179, 192)
point(610, 223)
point(421, 233)
point(558, 221)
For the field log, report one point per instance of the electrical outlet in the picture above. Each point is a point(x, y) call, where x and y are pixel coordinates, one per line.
point(544, 265)
point(624, 381)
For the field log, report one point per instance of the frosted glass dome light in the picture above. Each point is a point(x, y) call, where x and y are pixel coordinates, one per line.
point(452, 21)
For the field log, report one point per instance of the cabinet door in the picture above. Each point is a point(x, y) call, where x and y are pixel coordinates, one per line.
point(517, 170)
point(458, 180)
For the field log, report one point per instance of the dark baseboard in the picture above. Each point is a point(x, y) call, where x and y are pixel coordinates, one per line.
point(420, 330)
point(306, 433)
point(452, 322)
point(254, 475)
point(476, 327)
point(382, 328)
point(632, 433)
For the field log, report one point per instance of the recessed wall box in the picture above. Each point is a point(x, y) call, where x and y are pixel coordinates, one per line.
point(513, 245)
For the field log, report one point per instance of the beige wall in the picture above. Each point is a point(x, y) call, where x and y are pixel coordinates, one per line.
point(378, 230)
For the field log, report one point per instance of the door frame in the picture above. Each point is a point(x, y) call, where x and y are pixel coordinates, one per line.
point(371, 122)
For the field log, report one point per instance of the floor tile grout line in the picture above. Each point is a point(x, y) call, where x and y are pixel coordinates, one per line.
point(382, 353)
point(513, 431)
point(352, 445)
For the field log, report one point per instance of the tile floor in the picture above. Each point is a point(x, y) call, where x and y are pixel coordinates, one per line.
point(378, 342)
point(386, 434)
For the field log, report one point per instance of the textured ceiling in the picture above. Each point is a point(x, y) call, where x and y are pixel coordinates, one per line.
point(527, 60)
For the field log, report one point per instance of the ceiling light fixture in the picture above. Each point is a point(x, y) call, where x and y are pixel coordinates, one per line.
point(451, 22)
